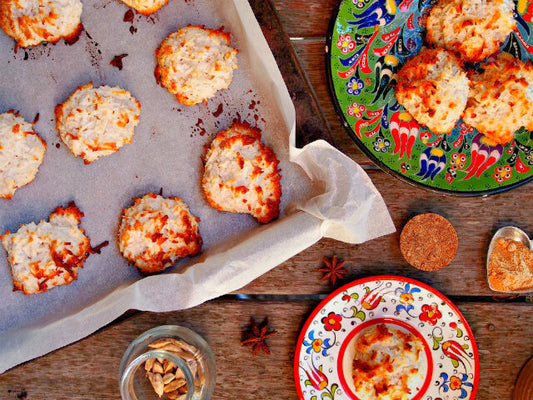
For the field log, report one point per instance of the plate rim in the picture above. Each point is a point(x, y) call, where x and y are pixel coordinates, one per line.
point(373, 278)
point(380, 164)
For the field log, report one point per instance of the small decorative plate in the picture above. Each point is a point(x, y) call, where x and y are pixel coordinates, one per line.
point(323, 360)
point(367, 43)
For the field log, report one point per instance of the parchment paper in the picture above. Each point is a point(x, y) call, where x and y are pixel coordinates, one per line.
point(324, 192)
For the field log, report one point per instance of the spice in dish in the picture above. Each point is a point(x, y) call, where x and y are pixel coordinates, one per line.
point(387, 363)
point(510, 266)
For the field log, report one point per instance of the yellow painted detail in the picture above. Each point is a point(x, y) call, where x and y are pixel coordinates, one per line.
point(391, 60)
point(391, 6)
point(437, 152)
point(405, 116)
point(522, 5)
point(488, 141)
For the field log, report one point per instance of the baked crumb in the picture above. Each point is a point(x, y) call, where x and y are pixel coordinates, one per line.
point(510, 267)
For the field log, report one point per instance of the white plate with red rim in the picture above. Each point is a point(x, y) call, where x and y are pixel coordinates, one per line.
point(324, 351)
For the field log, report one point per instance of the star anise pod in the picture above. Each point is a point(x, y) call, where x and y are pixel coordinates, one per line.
point(256, 335)
point(333, 270)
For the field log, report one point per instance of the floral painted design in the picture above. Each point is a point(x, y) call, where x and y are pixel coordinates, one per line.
point(356, 110)
point(316, 344)
point(502, 173)
point(354, 86)
point(456, 383)
point(407, 299)
point(332, 322)
point(381, 144)
point(430, 313)
point(390, 300)
point(370, 41)
point(345, 43)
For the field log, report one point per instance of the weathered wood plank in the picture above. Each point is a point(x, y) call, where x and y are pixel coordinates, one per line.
point(88, 369)
point(305, 18)
point(474, 219)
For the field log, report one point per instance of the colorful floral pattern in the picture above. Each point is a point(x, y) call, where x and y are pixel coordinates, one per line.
point(370, 41)
point(448, 336)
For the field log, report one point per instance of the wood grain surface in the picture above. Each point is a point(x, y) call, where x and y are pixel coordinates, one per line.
point(88, 369)
point(502, 325)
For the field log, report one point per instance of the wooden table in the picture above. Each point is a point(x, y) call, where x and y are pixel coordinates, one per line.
point(288, 294)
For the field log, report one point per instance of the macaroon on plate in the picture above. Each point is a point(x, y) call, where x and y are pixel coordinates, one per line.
point(368, 41)
point(324, 350)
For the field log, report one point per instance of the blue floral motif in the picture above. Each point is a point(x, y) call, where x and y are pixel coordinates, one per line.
point(406, 297)
point(317, 345)
point(354, 86)
point(455, 383)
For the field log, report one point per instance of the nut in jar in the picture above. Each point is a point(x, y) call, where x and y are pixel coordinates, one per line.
point(167, 362)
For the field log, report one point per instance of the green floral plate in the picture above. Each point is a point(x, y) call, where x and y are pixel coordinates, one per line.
point(368, 41)
point(323, 361)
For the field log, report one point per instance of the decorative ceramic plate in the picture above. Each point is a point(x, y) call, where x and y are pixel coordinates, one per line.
point(323, 360)
point(367, 43)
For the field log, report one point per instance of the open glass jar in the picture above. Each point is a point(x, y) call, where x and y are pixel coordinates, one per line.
point(167, 362)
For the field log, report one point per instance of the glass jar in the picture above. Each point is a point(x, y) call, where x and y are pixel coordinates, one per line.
point(178, 351)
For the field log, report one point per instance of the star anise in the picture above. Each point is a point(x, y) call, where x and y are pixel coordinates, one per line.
point(255, 337)
point(333, 270)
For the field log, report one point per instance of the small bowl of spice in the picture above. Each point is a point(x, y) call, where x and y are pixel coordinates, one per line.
point(168, 362)
point(510, 261)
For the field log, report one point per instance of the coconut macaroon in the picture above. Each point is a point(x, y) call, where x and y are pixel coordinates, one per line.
point(388, 362)
point(433, 87)
point(501, 99)
point(145, 7)
point(241, 174)
point(473, 28)
point(49, 253)
point(31, 22)
point(21, 153)
point(195, 62)
point(95, 122)
point(156, 231)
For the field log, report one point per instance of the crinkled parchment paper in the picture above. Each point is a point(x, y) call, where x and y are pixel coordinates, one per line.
point(324, 192)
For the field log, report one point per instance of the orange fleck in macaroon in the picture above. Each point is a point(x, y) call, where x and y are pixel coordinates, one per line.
point(474, 29)
point(388, 362)
point(433, 87)
point(195, 62)
point(31, 22)
point(96, 122)
point(49, 253)
point(145, 7)
point(156, 231)
point(21, 153)
point(501, 99)
point(241, 174)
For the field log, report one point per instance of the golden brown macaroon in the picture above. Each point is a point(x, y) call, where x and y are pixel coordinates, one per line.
point(428, 242)
point(195, 62)
point(501, 99)
point(241, 174)
point(156, 231)
point(433, 88)
point(49, 253)
point(474, 29)
point(31, 22)
point(145, 7)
